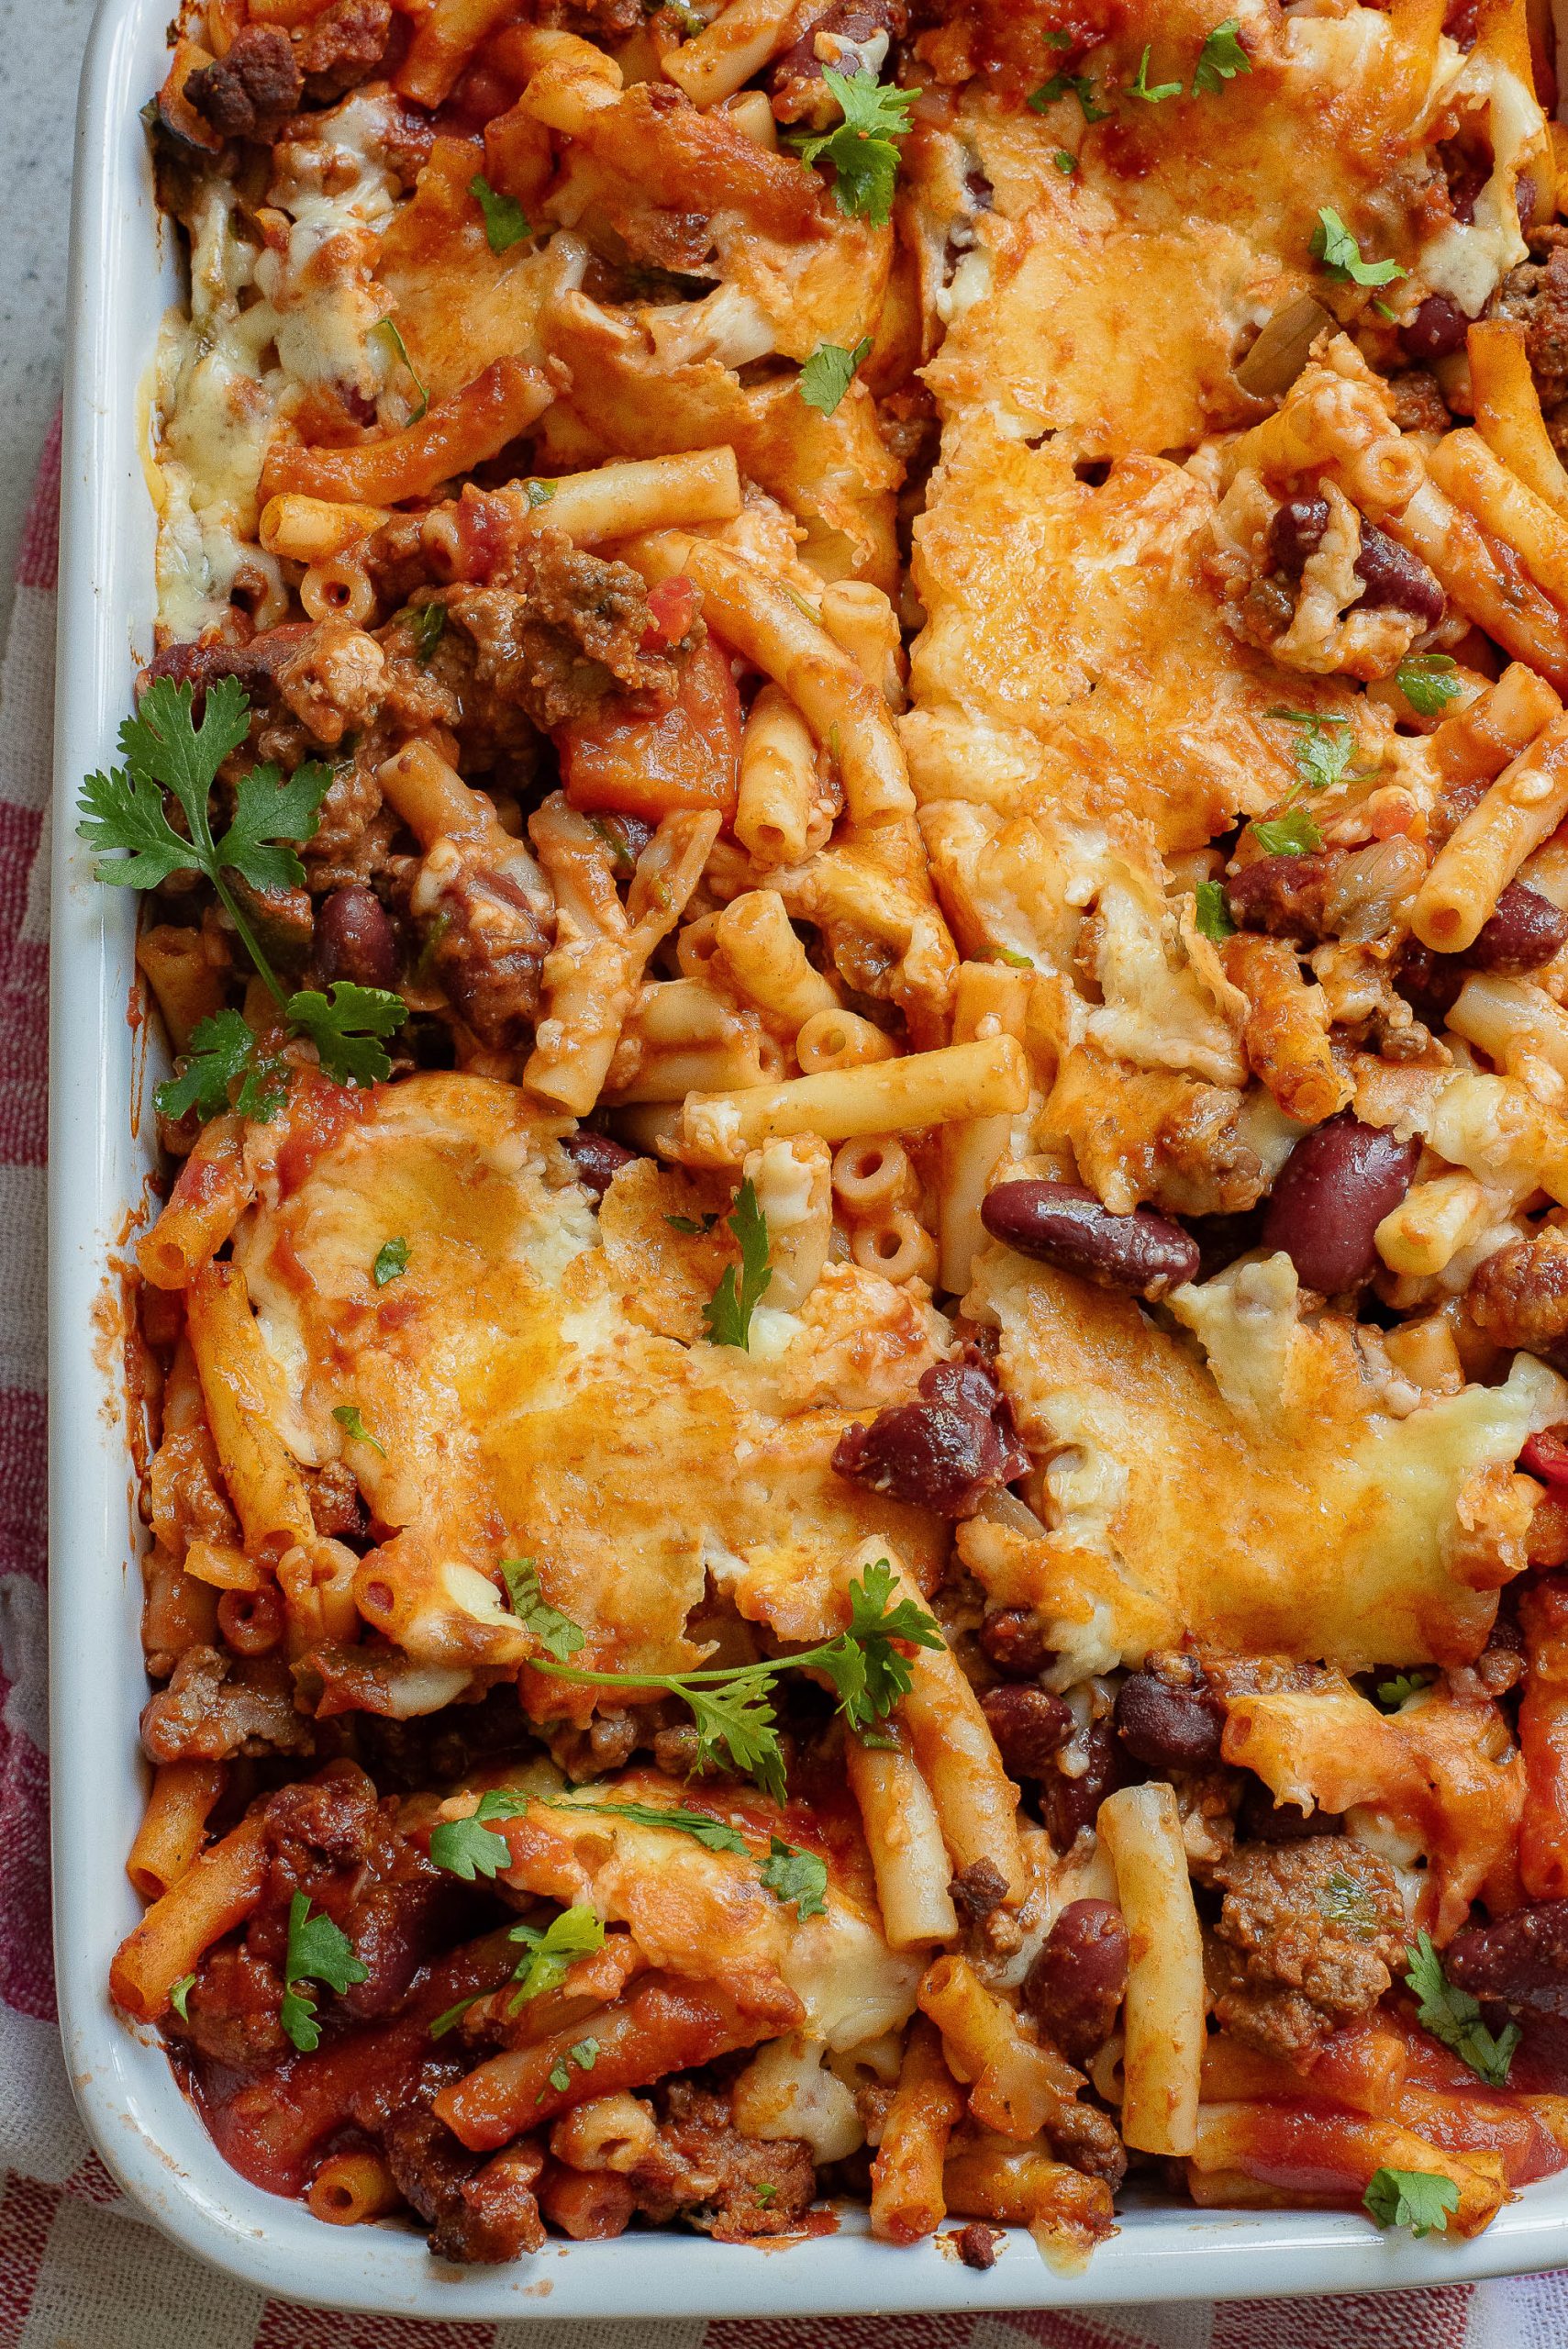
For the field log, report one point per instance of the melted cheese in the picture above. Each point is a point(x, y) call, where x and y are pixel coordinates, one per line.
point(539, 1386)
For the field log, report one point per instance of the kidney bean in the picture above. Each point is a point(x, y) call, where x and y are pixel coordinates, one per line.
point(597, 1158)
point(1333, 1191)
point(1285, 895)
point(1010, 1638)
point(353, 940)
point(1029, 1724)
point(1437, 329)
point(1296, 531)
point(1068, 1227)
point(1524, 930)
point(1077, 1982)
point(1395, 579)
point(1167, 1726)
point(1069, 1804)
point(1519, 1958)
point(944, 1453)
point(1429, 983)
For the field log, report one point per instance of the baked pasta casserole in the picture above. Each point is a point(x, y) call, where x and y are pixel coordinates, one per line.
point(851, 1378)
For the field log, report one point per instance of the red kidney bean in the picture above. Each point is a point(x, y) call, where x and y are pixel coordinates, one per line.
point(1069, 1804)
point(1333, 1191)
point(1010, 1639)
point(1524, 930)
point(1296, 531)
point(597, 1158)
point(1077, 1982)
point(1436, 331)
point(1395, 579)
point(944, 1453)
point(1167, 1726)
point(1429, 983)
point(1029, 1724)
point(1523, 1958)
point(1068, 1227)
point(1285, 895)
point(353, 940)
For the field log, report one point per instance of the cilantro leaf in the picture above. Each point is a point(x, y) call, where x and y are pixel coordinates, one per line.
point(388, 327)
point(505, 225)
point(713, 1834)
point(1161, 90)
point(868, 1672)
point(1220, 58)
point(317, 1951)
point(344, 1028)
point(1428, 682)
point(1333, 245)
point(348, 1418)
point(1452, 2015)
point(426, 625)
point(737, 1722)
point(1059, 85)
point(828, 374)
point(555, 1632)
point(391, 1262)
point(726, 1317)
point(584, 2053)
point(179, 1992)
point(223, 1055)
point(270, 811)
point(792, 1874)
point(1417, 2198)
point(1323, 748)
point(860, 148)
point(1292, 835)
point(1213, 914)
point(693, 1223)
point(164, 752)
point(1404, 1685)
point(547, 1955)
point(466, 1847)
point(1063, 160)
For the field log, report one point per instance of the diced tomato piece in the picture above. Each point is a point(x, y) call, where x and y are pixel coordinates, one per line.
point(1546, 1456)
point(631, 758)
point(672, 608)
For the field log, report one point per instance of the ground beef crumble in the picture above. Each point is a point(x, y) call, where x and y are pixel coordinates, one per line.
point(1308, 1935)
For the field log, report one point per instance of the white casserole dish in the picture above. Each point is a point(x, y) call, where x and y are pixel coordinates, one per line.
point(122, 276)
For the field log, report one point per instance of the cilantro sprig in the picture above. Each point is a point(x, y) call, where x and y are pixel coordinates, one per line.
point(1323, 750)
point(391, 1262)
point(1429, 683)
point(1213, 912)
point(1392, 1694)
point(1452, 2015)
point(317, 1951)
point(731, 1705)
point(829, 372)
point(505, 222)
point(1417, 2198)
point(726, 1316)
point(548, 1955)
point(1292, 835)
point(1341, 257)
point(861, 148)
point(348, 1418)
point(1220, 58)
point(125, 817)
point(556, 1633)
point(1082, 88)
point(1161, 90)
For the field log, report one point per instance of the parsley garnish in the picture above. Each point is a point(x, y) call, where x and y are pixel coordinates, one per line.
point(1160, 91)
point(726, 1316)
point(1397, 1691)
point(1333, 245)
point(224, 1053)
point(1221, 58)
point(700, 1225)
point(388, 328)
point(1428, 682)
point(348, 1418)
point(548, 1956)
point(1323, 748)
point(504, 223)
point(466, 1847)
point(826, 374)
point(1292, 835)
point(1063, 160)
point(860, 150)
point(426, 625)
point(1082, 89)
point(179, 1992)
point(556, 1633)
point(1212, 915)
point(731, 1705)
point(585, 2054)
point(1452, 2015)
point(318, 1951)
point(792, 1874)
point(125, 812)
point(391, 1262)
point(1417, 2198)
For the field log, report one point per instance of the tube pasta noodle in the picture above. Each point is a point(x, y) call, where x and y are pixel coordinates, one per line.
point(212, 1897)
point(187, 986)
point(169, 1839)
point(765, 962)
point(906, 2197)
point(1522, 808)
point(351, 2188)
point(1463, 465)
point(988, 1002)
point(456, 434)
point(1015, 2085)
point(241, 1389)
point(905, 1838)
point(310, 529)
point(211, 1195)
point(980, 1079)
point(613, 501)
point(1165, 2028)
point(778, 780)
point(831, 1040)
point(1507, 410)
point(731, 48)
point(1475, 571)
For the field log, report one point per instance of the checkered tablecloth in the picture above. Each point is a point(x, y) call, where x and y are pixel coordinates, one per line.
point(78, 2268)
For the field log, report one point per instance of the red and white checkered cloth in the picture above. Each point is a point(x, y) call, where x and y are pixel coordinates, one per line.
point(78, 2268)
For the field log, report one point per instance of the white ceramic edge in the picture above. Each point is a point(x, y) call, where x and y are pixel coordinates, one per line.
point(142, 2125)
